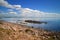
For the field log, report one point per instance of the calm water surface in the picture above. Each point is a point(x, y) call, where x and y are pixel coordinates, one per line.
point(53, 24)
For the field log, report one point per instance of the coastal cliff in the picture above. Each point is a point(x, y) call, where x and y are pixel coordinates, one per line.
point(13, 31)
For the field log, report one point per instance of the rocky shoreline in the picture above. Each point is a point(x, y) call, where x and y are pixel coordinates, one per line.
point(13, 31)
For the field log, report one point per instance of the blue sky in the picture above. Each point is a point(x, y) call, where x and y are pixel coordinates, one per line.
point(42, 5)
point(30, 7)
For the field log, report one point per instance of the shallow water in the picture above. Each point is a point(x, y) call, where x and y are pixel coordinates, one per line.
point(53, 24)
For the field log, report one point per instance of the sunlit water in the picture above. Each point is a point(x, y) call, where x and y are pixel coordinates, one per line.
point(53, 24)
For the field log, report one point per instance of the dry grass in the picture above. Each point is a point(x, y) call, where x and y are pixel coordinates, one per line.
point(11, 31)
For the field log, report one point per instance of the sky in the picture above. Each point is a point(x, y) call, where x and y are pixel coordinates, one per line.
point(30, 8)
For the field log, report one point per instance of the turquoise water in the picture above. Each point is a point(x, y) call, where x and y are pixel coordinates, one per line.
point(53, 24)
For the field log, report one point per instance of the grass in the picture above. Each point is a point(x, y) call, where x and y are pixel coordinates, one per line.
point(5, 31)
point(1, 29)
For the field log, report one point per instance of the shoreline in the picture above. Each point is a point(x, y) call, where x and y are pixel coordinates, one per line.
point(27, 26)
point(13, 31)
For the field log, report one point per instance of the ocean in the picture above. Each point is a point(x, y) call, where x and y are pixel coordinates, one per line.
point(53, 24)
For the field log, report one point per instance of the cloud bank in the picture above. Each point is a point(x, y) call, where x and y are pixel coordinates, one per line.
point(26, 12)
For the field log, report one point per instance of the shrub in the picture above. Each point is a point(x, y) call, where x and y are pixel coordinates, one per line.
point(1, 23)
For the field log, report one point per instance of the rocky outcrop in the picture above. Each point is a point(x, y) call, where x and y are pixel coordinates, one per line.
point(12, 31)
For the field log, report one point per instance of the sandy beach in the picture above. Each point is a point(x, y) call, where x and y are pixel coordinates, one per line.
point(13, 31)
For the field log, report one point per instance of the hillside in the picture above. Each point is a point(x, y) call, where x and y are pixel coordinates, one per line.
point(12, 31)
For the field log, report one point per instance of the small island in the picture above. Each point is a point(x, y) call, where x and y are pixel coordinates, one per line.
point(35, 22)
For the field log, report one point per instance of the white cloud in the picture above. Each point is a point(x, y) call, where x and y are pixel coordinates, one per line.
point(12, 13)
point(17, 7)
point(5, 4)
point(26, 12)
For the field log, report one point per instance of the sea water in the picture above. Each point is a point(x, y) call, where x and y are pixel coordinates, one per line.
point(53, 24)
